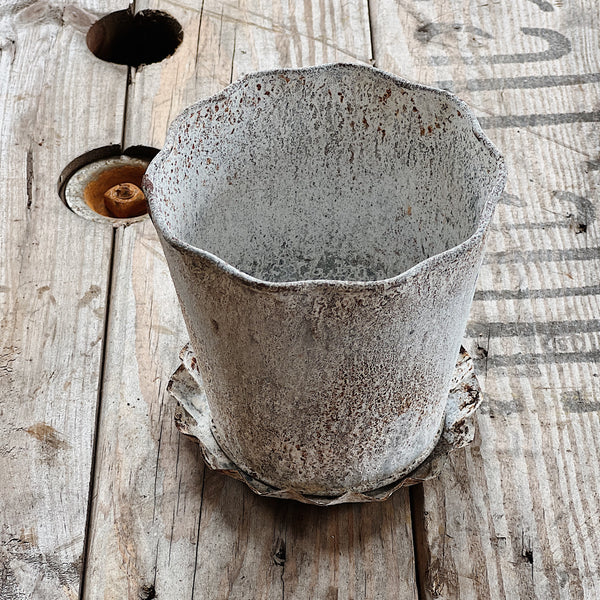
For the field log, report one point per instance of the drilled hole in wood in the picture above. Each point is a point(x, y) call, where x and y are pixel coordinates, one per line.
point(125, 38)
point(104, 185)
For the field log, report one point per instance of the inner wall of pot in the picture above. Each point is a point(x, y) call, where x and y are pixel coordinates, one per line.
point(329, 175)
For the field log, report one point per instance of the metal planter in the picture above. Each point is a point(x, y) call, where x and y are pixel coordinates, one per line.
point(324, 228)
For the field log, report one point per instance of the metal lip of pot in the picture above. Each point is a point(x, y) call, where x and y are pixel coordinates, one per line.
point(157, 217)
point(324, 228)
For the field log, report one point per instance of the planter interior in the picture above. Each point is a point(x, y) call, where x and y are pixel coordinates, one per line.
point(350, 177)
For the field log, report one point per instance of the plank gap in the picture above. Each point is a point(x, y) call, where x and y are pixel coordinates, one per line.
point(371, 37)
point(197, 532)
point(421, 550)
point(128, 83)
point(103, 356)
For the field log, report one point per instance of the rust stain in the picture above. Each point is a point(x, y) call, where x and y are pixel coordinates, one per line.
point(125, 201)
point(385, 96)
point(47, 435)
point(95, 190)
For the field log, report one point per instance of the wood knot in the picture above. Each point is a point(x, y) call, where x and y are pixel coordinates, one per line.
point(279, 553)
point(147, 592)
point(528, 555)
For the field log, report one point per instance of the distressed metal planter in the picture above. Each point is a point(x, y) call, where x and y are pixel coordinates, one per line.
point(193, 418)
point(324, 228)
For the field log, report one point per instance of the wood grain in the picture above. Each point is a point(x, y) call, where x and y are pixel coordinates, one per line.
point(89, 322)
point(160, 523)
point(53, 290)
point(515, 515)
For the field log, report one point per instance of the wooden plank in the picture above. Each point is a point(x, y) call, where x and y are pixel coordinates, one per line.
point(149, 479)
point(148, 488)
point(350, 551)
point(53, 289)
point(160, 526)
point(516, 514)
point(262, 548)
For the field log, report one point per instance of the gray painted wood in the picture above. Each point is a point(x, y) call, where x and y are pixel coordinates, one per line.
point(514, 515)
point(161, 523)
point(53, 290)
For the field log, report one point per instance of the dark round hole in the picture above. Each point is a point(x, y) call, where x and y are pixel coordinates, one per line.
point(146, 37)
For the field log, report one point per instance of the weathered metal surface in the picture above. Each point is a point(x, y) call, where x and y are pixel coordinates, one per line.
point(193, 418)
point(324, 228)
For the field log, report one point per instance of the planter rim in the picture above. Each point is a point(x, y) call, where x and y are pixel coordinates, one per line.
point(350, 285)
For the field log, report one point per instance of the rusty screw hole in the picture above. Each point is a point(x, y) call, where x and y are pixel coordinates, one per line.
point(143, 38)
point(101, 196)
point(104, 185)
point(125, 200)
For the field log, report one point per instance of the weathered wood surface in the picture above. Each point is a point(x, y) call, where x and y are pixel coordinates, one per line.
point(53, 290)
point(88, 321)
point(516, 515)
point(160, 522)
